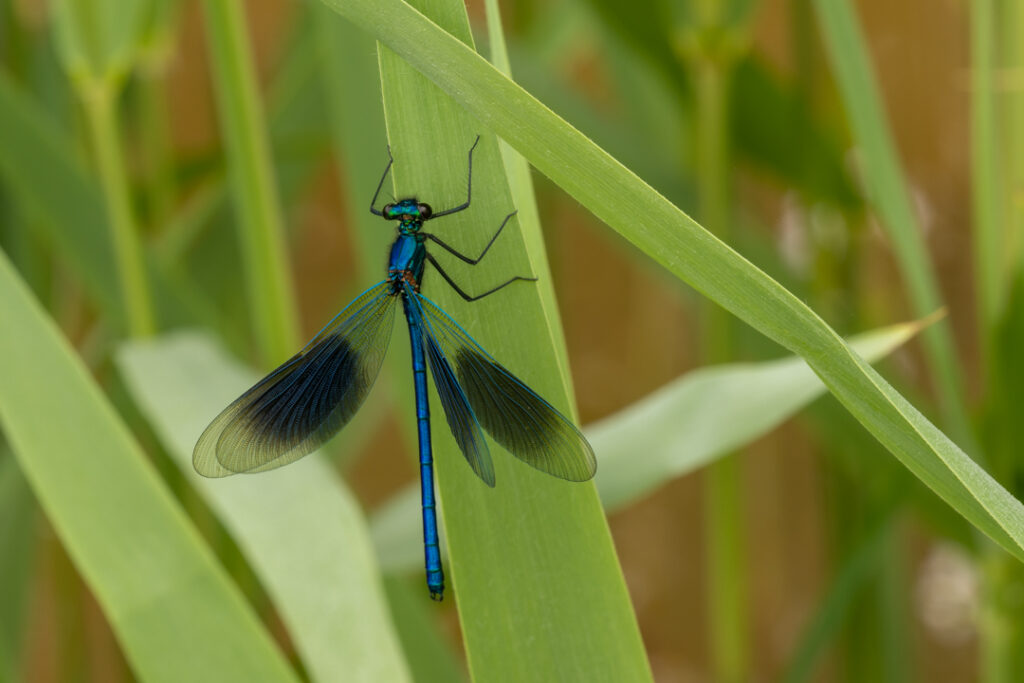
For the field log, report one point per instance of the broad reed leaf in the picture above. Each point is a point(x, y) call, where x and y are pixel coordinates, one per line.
point(176, 614)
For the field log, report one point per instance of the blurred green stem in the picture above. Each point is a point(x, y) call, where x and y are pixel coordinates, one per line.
point(726, 564)
point(260, 230)
point(894, 637)
point(997, 145)
point(713, 187)
point(1012, 42)
point(99, 98)
point(723, 500)
point(155, 140)
point(989, 253)
point(155, 54)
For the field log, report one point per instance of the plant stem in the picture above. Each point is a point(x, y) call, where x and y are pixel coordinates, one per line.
point(726, 561)
point(260, 230)
point(1012, 44)
point(723, 500)
point(989, 253)
point(998, 175)
point(99, 98)
point(895, 660)
point(713, 189)
point(155, 142)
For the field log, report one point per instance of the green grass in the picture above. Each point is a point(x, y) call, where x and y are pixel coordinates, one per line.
point(260, 231)
point(109, 231)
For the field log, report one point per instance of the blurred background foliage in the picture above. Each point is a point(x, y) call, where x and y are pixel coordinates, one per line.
point(868, 156)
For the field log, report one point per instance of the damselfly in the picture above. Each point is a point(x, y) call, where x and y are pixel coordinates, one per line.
point(301, 404)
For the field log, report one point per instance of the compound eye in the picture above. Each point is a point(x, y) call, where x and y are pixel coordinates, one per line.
point(425, 211)
point(389, 211)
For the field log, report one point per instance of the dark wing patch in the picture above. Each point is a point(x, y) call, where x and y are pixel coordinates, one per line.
point(305, 401)
point(529, 427)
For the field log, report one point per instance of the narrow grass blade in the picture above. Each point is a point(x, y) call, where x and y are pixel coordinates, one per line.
point(101, 111)
point(98, 43)
point(684, 248)
point(260, 230)
point(889, 194)
point(1011, 40)
point(681, 427)
point(992, 259)
point(520, 182)
point(173, 609)
point(300, 527)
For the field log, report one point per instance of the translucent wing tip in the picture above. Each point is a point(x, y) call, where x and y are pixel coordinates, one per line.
point(586, 462)
point(572, 459)
point(300, 405)
point(204, 455)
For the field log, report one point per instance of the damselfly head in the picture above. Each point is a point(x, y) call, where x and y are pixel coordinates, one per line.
point(406, 209)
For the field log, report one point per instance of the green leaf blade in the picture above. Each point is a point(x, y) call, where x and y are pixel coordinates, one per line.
point(531, 561)
point(172, 607)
